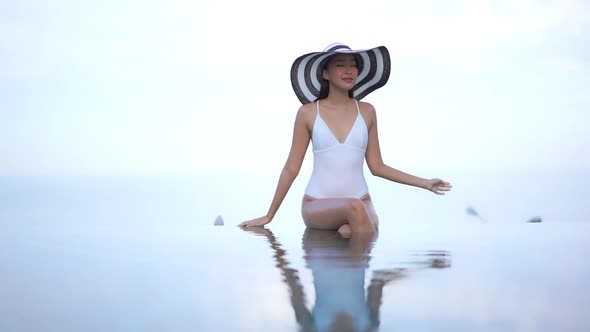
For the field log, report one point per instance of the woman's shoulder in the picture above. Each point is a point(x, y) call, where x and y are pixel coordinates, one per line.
point(308, 107)
point(367, 109)
point(307, 110)
point(306, 114)
point(368, 112)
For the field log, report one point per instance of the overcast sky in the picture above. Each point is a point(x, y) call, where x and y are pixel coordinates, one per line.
point(181, 86)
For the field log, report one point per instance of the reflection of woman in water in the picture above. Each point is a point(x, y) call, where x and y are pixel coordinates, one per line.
point(338, 267)
point(343, 130)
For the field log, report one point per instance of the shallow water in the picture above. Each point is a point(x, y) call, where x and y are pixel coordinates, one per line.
point(137, 254)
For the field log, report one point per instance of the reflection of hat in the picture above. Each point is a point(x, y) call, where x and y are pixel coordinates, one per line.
point(374, 68)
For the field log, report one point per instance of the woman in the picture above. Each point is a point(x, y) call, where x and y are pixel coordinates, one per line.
point(344, 135)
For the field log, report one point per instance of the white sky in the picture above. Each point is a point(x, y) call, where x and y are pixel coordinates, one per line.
point(182, 86)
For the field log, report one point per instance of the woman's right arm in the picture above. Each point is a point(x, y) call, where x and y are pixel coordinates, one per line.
point(299, 144)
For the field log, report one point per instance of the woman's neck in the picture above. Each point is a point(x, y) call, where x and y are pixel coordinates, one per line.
point(338, 98)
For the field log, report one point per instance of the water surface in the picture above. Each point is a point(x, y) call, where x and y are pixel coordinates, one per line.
point(142, 254)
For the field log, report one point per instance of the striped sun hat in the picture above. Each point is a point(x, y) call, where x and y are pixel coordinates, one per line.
point(374, 68)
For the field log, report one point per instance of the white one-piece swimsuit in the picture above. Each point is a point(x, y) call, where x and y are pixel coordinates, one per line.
point(338, 167)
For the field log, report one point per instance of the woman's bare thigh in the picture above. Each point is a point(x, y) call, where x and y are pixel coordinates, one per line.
point(331, 213)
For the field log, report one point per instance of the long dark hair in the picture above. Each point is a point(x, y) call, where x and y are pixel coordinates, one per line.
point(325, 84)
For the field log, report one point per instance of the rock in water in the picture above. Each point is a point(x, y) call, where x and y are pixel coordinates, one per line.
point(471, 211)
point(218, 221)
point(536, 219)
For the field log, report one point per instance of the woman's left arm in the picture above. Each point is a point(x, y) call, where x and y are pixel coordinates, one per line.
point(380, 169)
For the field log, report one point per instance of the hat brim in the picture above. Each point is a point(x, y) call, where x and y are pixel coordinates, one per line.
point(374, 70)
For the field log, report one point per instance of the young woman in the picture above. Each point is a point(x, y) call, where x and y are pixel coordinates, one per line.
point(344, 135)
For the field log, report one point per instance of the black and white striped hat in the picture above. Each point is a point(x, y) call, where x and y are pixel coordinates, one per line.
point(374, 68)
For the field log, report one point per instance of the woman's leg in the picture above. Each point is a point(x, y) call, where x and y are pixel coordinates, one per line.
point(343, 214)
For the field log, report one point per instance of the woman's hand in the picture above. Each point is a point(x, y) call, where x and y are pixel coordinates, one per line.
point(258, 222)
point(438, 186)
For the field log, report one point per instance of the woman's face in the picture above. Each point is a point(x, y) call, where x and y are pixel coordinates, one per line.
point(341, 71)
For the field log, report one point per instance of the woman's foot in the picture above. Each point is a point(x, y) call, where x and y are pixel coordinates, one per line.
point(345, 231)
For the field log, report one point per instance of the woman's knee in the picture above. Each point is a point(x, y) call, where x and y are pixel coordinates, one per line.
point(358, 217)
point(356, 209)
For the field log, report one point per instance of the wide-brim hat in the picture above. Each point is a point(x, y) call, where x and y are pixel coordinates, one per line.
point(374, 66)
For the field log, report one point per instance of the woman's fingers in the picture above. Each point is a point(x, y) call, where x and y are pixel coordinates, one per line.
point(439, 187)
point(253, 223)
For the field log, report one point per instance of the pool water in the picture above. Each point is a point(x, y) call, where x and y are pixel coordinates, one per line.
point(122, 258)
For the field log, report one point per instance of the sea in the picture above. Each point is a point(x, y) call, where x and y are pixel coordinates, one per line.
point(503, 251)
